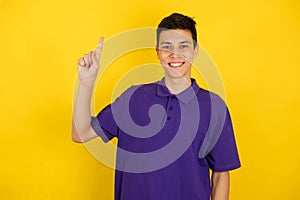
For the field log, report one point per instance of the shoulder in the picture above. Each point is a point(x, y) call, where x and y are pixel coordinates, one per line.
point(206, 95)
point(139, 90)
point(212, 101)
point(147, 88)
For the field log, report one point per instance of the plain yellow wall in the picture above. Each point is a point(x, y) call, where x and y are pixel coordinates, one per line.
point(255, 45)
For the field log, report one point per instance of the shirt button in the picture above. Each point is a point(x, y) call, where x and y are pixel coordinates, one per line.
point(171, 108)
point(168, 118)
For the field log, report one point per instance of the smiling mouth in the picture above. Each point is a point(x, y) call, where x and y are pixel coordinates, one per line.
point(176, 64)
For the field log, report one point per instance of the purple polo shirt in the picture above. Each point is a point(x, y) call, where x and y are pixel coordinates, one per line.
point(167, 143)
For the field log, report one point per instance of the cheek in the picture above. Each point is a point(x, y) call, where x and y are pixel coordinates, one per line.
point(162, 57)
point(189, 56)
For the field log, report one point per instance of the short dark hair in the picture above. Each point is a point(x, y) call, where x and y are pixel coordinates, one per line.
point(177, 21)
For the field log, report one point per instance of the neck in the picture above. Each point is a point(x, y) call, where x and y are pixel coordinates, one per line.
point(177, 85)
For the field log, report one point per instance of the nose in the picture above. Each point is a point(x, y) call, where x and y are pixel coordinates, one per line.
point(174, 54)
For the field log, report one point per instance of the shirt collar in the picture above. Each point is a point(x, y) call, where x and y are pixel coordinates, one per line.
point(185, 96)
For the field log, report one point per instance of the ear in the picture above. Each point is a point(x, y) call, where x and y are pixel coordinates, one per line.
point(157, 52)
point(196, 50)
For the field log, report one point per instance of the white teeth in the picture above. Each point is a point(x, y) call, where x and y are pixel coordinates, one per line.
point(175, 64)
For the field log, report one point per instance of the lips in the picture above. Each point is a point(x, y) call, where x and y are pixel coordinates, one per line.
point(175, 64)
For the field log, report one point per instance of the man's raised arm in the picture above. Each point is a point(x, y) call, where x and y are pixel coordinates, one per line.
point(88, 67)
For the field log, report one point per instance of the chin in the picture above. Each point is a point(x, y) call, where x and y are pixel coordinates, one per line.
point(175, 74)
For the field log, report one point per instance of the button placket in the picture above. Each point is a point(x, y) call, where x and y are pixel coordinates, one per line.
point(170, 107)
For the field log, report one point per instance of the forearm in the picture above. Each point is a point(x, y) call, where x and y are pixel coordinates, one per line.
point(82, 112)
point(220, 186)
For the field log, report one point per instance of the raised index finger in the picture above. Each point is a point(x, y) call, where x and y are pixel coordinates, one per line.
point(99, 48)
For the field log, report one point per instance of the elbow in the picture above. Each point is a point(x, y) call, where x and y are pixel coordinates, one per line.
point(75, 137)
point(84, 135)
point(76, 140)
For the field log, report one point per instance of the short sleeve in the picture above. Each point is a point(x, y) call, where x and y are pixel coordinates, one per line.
point(106, 123)
point(224, 155)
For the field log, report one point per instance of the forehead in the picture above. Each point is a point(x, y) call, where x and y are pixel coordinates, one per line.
point(175, 35)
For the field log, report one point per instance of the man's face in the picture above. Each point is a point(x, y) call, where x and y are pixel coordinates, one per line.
point(176, 52)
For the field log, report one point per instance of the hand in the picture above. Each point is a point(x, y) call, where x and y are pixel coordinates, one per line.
point(88, 66)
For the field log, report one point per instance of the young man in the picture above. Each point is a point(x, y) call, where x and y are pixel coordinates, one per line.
point(170, 133)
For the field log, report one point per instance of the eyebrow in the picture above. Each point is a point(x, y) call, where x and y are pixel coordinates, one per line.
point(164, 42)
point(186, 41)
point(182, 42)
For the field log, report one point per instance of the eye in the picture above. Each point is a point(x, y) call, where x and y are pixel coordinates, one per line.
point(166, 47)
point(183, 46)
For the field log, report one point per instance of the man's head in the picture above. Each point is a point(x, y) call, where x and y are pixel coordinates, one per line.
point(177, 21)
point(177, 45)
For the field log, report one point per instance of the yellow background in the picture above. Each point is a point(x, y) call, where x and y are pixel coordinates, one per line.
point(255, 45)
